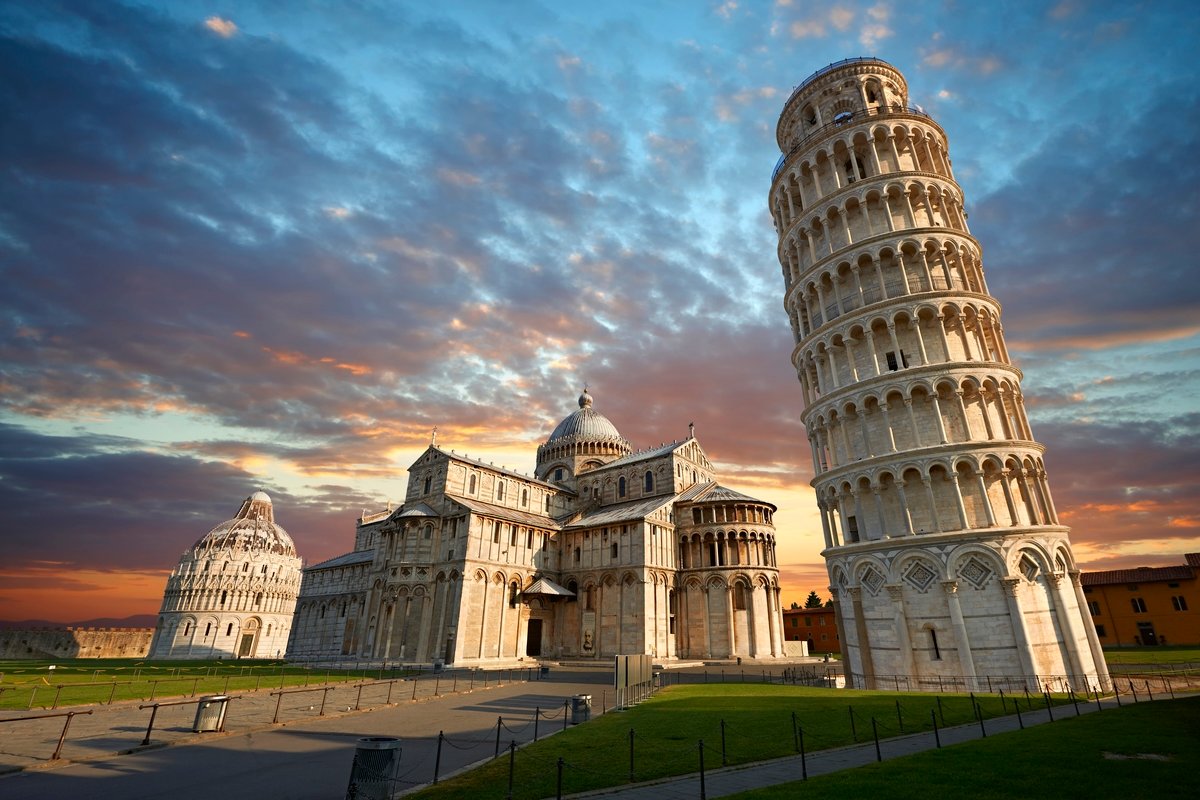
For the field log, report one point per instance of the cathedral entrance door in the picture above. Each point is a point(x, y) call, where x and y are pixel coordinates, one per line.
point(533, 638)
point(247, 645)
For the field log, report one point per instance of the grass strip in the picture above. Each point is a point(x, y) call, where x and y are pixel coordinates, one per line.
point(1143, 750)
point(738, 723)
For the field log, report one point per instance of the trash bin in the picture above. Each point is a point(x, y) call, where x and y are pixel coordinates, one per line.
point(581, 708)
point(544, 671)
point(376, 759)
point(210, 713)
point(439, 665)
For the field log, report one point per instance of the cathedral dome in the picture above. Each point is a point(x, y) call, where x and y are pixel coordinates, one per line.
point(586, 424)
point(252, 530)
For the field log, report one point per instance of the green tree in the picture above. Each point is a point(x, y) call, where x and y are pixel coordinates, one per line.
point(813, 601)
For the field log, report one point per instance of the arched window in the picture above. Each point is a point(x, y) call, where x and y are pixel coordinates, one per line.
point(558, 474)
point(428, 484)
point(258, 599)
point(187, 629)
point(500, 490)
point(229, 630)
point(649, 481)
point(524, 497)
point(224, 596)
point(471, 485)
point(547, 504)
point(621, 487)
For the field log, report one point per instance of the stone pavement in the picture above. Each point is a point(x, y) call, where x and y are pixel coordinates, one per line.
point(308, 756)
point(723, 782)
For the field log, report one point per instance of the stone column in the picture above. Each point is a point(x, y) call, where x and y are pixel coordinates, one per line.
point(904, 655)
point(1093, 639)
point(840, 626)
point(965, 661)
point(864, 643)
point(1070, 633)
point(1020, 633)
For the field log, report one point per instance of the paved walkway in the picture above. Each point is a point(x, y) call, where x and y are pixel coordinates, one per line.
point(724, 782)
point(306, 758)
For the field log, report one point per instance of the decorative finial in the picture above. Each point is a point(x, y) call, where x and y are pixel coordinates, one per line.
point(433, 437)
point(691, 430)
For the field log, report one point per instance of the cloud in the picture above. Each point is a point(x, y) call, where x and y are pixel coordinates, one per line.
point(224, 28)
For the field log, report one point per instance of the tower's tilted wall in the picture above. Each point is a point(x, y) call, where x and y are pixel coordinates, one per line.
point(945, 553)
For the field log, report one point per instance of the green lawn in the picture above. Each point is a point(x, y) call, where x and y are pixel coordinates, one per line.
point(1144, 750)
point(1152, 655)
point(667, 729)
point(26, 684)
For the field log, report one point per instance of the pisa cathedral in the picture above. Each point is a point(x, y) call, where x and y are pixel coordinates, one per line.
point(602, 551)
point(946, 557)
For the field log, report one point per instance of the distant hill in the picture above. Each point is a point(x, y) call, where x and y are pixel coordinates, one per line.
point(136, 621)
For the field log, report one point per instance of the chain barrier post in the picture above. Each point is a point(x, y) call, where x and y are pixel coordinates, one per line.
point(803, 758)
point(1098, 706)
point(437, 760)
point(853, 728)
point(499, 724)
point(941, 713)
point(537, 715)
point(795, 738)
point(703, 794)
point(899, 716)
point(723, 761)
point(875, 731)
point(1148, 692)
point(558, 785)
point(631, 755)
point(1075, 700)
point(1003, 705)
point(512, 765)
point(566, 706)
point(979, 716)
point(1049, 711)
point(1020, 721)
point(937, 737)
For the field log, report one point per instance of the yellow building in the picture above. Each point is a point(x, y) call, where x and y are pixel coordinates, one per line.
point(1147, 605)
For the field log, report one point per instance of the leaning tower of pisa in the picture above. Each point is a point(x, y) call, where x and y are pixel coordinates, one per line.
point(946, 558)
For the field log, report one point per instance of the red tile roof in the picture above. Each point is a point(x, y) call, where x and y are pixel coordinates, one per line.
point(1139, 575)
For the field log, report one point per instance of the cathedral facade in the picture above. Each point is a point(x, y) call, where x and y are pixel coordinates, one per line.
point(602, 551)
point(946, 556)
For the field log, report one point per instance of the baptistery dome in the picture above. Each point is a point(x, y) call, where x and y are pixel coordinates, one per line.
point(253, 529)
point(233, 593)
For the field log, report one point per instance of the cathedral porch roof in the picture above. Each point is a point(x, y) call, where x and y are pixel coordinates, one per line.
point(505, 513)
point(345, 560)
point(622, 512)
point(547, 587)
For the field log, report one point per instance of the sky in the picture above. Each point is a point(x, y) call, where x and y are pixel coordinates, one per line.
point(271, 245)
